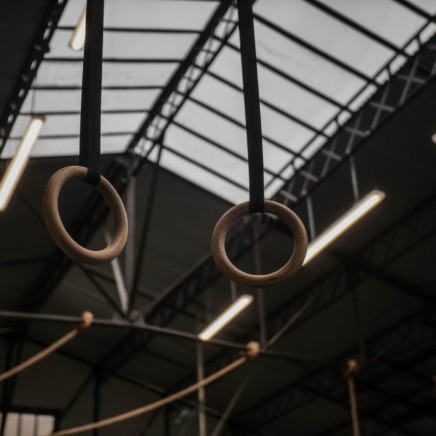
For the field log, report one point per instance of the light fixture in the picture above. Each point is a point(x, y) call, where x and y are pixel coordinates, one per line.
point(18, 163)
point(77, 41)
point(236, 307)
point(359, 210)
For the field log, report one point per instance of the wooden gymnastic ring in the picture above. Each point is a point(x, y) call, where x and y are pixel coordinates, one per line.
point(267, 280)
point(57, 230)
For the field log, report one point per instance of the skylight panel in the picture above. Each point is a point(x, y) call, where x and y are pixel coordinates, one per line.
point(222, 97)
point(284, 131)
point(114, 74)
point(67, 146)
point(427, 5)
point(70, 124)
point(208, 155)
point(325, 32)
point(69, 100)
point(304, 65)
point(122, 45)
point(146, 14)
point(276, 90)
point(128, 99)
point(381, 17)
point(294, 99)
point(213, 126)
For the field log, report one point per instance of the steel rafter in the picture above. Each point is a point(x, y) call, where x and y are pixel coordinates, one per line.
point(399, 341)
point(321, 164)
point(404, 235)
point(384, 71)
point(55, 270)
point(185, 79)
point(414, 8)
point(328, 57)
point(337, 150)
point(408, 232)
point(359, 129)
point(94, 212)
point(39, 48)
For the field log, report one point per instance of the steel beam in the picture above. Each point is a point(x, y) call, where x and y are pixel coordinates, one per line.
point(327, 159)
point(336, 151)
point(417, 226)
point(406, 233)
point(39, 47)
point(399, 341)
point(95, 211)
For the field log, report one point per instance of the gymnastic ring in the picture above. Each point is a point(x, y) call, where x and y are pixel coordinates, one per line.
point(267, 280)
point(50, 211)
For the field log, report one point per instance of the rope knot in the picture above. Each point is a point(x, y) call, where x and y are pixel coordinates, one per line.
point(87, 319)
point(352, 368)
point(253, 349)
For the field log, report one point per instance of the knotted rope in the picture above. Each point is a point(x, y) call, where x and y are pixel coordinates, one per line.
point(87, 318)
point(350, 373)
point(253, 349)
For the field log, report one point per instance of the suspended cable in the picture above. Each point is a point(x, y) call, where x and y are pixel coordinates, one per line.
point(253, 349)
point(87, 318)
point(350, 373)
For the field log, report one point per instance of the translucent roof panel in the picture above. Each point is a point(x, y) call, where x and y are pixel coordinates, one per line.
point(114, 74)
point(122, 45)
point(381, 17)
point(144, 43)
point(316, 72)
point(69, 100)
point(326, 32)
point(276, 90)
point(427, 5)
point(313, 67)
point(146, 14)
point(318, 63)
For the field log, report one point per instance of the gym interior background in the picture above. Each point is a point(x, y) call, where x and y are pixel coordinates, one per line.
point(348, 106)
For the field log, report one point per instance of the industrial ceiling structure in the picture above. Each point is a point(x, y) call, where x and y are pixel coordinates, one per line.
point(348, 97)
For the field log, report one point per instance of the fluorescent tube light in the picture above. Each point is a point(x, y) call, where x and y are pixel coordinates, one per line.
point(77, 41)
point(237, 307)
point(19, 161)
point(359, 210)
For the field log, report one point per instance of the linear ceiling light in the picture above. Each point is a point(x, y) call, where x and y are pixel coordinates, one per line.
point(19, 161)
point(77, 41)
point(237, 307)
point(359, 210)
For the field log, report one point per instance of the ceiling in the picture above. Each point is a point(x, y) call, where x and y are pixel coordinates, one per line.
point(348, 97)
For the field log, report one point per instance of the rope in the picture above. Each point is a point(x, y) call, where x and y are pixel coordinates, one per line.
point(253, 349)
point(87, 318)
point(350, 373)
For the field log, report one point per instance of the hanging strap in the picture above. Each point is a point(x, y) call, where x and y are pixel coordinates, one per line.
point(91, 92)
point(252, 106)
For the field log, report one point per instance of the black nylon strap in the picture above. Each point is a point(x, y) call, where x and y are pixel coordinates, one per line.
point(252, 105)
point(91, 92)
